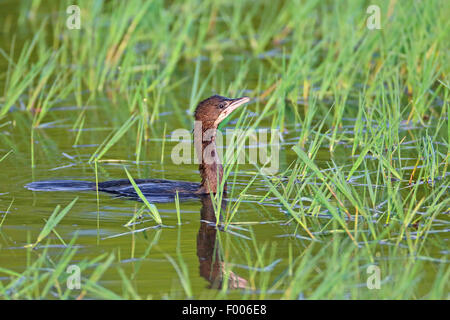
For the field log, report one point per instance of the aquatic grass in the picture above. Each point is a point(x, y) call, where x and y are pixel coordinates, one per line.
point(91, 283)
point(6, 155)
point(151, 207)
point(177, 207)
point(163, 144)
point(139, 139)
point(288, 207)
point(23, 72)
point(6, 213)
point(197, 92)
point(154, 241)
point(112, 139)
point(78, 127)
point(52, 222)
point(136, 215)
point(97, 200)
point(182, 272)
point(46, 276)
point(59, 269)
point(130, 292)
point(43, 105)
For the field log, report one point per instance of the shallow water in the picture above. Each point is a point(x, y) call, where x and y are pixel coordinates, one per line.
point(104, 231)
point(58, 159)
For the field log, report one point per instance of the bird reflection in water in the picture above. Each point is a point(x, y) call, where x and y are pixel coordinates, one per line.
point(212, 266)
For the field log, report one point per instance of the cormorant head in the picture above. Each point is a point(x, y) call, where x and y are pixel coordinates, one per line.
point(212, 111)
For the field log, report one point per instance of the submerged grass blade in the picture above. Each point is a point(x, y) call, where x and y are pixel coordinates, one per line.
point(52, 222)
point(98, 154)
point(151, 207)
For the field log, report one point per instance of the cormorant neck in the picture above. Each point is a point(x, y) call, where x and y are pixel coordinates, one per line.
point(210, 168)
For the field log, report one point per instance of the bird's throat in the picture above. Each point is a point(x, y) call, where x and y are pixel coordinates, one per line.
point(210, 168)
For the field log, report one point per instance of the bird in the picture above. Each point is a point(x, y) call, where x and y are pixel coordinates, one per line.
point(209, 113)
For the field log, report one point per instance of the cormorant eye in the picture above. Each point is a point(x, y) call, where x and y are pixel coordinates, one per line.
point(222, 105)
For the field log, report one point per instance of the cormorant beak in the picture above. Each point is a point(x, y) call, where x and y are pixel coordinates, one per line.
point(233, 105)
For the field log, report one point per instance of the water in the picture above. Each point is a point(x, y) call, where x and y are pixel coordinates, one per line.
point(104, 231)
point(142, 250)
point(56, 158)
